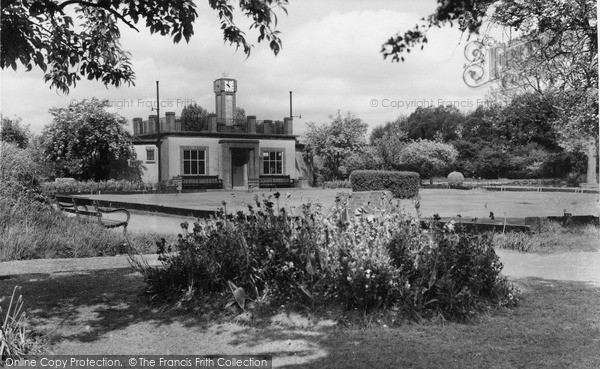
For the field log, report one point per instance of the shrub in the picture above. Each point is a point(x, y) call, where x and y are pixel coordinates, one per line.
point(378, 260)
point(263, 251)
point(428, 158)
point(18, 174)
point(14, 342)
point(65, 187)
point(401, 184)
point(455, 179)
point(455, 274)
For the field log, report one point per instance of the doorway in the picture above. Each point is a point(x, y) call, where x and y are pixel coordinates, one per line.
point(239, 166)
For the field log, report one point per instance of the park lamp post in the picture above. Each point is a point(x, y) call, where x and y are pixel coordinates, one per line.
point(158, 140)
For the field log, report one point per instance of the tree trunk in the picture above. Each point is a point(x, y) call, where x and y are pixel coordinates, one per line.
point(592, 160)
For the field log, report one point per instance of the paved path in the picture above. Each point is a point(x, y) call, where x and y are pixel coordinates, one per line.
point(570, 266)
point(580, 266)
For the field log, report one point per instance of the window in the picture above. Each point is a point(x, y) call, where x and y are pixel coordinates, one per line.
point(194, 162)
point(150, 155)
point(272, 162)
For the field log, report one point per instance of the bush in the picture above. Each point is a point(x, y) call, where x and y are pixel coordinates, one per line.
point(65, 187)
point(456, 275)
point(263, 252)
point(522, 174)
point(378, 260)
point(428, 158)
point(401, 184)
point(14, 342)
point(19, 174)
point(455, 179)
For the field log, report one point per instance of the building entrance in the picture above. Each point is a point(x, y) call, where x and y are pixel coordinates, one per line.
point(239, 167)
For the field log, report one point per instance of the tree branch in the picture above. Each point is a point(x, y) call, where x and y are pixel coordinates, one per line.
point(98, 5)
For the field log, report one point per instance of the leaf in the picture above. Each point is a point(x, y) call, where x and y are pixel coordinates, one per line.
point(306, 291)
point(431, 301)
point(232, 286)
point(311, 265)
point(240, 297)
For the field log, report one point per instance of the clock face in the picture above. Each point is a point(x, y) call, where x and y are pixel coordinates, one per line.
point(217, 87)
point(229, 85)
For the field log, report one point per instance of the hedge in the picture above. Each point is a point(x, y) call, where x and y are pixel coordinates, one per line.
point(401, 184)
point(455, 179)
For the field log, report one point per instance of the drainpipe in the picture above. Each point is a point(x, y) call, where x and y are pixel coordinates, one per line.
point(158, 141)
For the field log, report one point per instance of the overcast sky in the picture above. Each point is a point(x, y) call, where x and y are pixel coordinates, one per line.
point(330, 59)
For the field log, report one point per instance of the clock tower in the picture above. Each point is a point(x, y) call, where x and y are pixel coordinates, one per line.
point(225, 89)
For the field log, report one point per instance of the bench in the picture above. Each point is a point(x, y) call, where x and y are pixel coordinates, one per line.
point(201, 182)
point(271, 181)
point(90, 208)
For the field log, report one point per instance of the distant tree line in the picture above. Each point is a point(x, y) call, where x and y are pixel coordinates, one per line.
point(514, 140)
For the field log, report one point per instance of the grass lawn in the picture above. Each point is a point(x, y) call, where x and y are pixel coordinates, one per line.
point(102, 311)
point(446, 202)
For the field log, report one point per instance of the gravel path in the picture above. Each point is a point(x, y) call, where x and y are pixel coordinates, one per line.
point(575, 266)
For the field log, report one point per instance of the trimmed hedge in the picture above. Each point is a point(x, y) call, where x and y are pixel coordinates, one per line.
point(455, 179)
point(401, 184)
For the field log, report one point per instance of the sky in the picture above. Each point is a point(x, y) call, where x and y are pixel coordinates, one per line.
point(330, 59)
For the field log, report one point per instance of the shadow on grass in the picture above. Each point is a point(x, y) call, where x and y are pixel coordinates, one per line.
point(95, 301)
point(557, 325)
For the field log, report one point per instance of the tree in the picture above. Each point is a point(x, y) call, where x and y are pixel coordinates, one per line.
point(194, 117)
point(13, 131)
point(527, 119)
point(434, 123)
point(469, 15)
point(239, 114)
point(70, 39)
point(334, 143)
point(561, 43)
point(396, 129)
point(492, 161)
point(561, 62)
point(86, 142)
point(479, 125)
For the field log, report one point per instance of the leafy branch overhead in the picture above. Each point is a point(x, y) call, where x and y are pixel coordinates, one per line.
point(532, 19)
point(468, 15)
point(72, 39)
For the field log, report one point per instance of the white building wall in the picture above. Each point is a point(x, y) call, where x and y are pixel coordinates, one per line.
point(150, 173)
point(171, 156)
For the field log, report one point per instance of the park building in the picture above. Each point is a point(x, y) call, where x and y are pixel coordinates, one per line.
point(223, 152)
